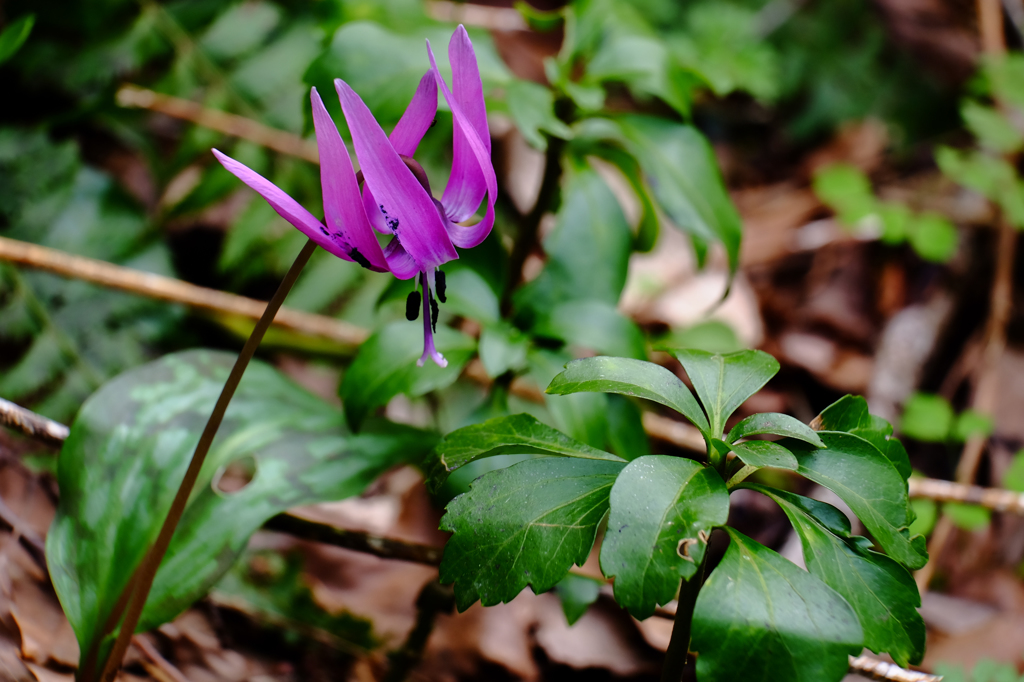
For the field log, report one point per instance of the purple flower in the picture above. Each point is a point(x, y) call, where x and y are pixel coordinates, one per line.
point(395, 199)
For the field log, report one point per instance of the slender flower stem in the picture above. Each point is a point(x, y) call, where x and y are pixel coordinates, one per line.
point(146, 572)
point(679, 644)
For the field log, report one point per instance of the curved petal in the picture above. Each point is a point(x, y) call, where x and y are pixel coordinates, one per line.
point(287, 208)
point(372, 211)
point(418, 117)
point(408, 209)
point(343, 205)
point(472, 170)
point(401, 264)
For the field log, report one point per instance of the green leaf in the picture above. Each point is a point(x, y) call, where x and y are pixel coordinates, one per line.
point(129, 448)
point(532, 107)
point(663, 510)
point(850, 414)
point(1013, 479)
point(992, 176)
point(846, 190)
point(626, 435)
point(933, 237)
point(502, 348)
point(967, 516)
point(588, 249)
point(577, 593)
point(991, 128)
point(645, 65)
point(681, 168)
point(972, 423)
point(764, 453)
point(470, 295)
point(724, 382)
point(865, 479)
point(524, 525)
point(927, 417)
point(775, 424)
point(881, 592)
point(386, 366)
point(15, 35)
point(759, 618)
point(594, 325)
point(649, 224)
point(629, 377)
point(926, 513)
point(714, 336)
point(519, 434)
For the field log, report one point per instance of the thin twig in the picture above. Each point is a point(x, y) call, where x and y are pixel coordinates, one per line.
point(357, 541)
point(32, 425)
point(948, 491)
point(434, 599)
point(483, 16)
point(174, 290)
point(158, 666)
point(221, 121)
point(146, 572)
point(990, 21)
point(874, 669)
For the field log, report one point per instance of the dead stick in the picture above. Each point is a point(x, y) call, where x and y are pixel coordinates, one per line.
point(357, 541)
point(990, 21)
point(33, 425)
point(173, 290)
point(221, 121)
point(146, 571)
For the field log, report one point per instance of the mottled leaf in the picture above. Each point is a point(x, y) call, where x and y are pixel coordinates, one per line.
point(524, 525)
point(663, 510)
point(129, 448)
point(759, 618)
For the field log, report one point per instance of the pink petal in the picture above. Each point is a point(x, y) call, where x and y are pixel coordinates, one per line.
point(343, 205)
point(418, 117)
point(408, 209)
point(287, 208)
point(401, 264)
point(472, 170)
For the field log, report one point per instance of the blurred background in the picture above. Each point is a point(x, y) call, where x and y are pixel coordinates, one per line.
point(866, 150)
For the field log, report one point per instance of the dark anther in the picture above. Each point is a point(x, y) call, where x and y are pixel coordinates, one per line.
point(360, 258)
point(433, 314)
point(412, 306)
point(439, 280)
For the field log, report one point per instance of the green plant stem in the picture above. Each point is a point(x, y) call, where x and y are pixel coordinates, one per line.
point(679, 644)
point(146, 572)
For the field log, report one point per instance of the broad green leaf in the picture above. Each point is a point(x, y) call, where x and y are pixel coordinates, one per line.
point(775, 424)
point(502, 347)
point(386, 366)
point(991, 128)
point(967, 516)
point(881, 592)
point(583, 416)
point(764, 453)
point(129, 448)
point(594, 325)
point(759, 618)
point(850, 415)
point(933, 237)
point(926, 513)
point(240, 30)
point(588, 249)
point(519, 434)
point(663, 510)
point(532, 107)
point(649, 224)
point(714, 336)
point(927, 417)
point(15, 35)
point(524, 525)
point(723, 382)
point(846, 190)
point(646, 66)
point(972, 423)
point(629, 377)
point(1013, 479)
point(1005, 77)
point(626, 435)
point(577, 593)
point(992, 176)
point(469, 295)
point(681, 168)
point(866, 480)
